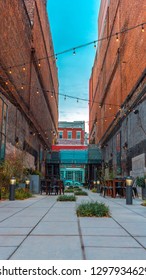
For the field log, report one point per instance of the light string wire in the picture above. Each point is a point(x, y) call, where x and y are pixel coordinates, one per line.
point(55, 55)
point(22, 88)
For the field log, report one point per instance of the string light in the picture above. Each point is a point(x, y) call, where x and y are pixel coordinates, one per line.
point(10, 71)
point(74, 52)
point(24, 68)
point(65, 97)
point(39, 64)
point(110, 108)
point(87, 44)
point(22, 86)
point(37, 91)
point(52, 95)
point(77, 100)
point(6, 82)
point(56, 57)
point(117, 37)
point(94, 44)
point(142, 28)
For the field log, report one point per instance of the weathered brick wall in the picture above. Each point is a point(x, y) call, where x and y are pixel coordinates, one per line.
point(24, 25)
point(119, 64)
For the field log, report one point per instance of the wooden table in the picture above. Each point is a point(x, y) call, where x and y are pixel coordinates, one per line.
point(111, 186)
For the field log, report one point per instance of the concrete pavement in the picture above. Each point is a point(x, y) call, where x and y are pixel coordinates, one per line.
point(41, 228)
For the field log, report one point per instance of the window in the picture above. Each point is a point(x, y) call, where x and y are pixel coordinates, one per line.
point(69, 134)
point(78, 135)
point(60, 134)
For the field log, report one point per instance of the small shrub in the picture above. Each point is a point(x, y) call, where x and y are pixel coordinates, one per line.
point(77, 189)
point(140, 181)
point(69, 190)
point(66, 198)
point(94, 190)
point(93, 209)
point(22, 194)
point(80, 193)
point(144, 203)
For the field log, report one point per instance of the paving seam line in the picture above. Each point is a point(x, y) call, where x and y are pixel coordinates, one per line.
point(19, 210)
point(122, 226)
point(31, 230)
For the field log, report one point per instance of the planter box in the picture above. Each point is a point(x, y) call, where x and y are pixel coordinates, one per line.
point(144, 193)
point(35, 184)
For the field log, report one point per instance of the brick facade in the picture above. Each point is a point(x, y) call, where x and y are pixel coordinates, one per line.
point(73, 128)
point(32, 112)
point(117, 83)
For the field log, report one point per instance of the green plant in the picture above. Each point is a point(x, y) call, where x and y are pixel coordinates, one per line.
point(140, 181)
point(94, 190)
point(77, 189)
point(93, 209)
point(69, 190)
point(66, 198)
point(144, 203)
point(13, 166)
point(22, 194)
point(80, 193)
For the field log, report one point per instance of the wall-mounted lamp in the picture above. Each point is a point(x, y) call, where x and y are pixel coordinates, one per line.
point(136, 112)
point(125, 147)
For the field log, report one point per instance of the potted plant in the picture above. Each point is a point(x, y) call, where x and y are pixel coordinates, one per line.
point(140, 182)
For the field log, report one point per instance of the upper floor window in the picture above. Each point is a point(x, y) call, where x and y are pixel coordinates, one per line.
point(69, 134)
point(78, 135)
point(60, 134)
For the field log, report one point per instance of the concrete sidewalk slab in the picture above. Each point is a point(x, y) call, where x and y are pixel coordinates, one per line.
point(19, 222)
point(93, 222)
point(103, 231)
point(11, 240)
point(14, 231)
point(49, 248)
point(42, 228)
point(113, 242)
point(5, 252)
point(53, 228)
point(115, 253)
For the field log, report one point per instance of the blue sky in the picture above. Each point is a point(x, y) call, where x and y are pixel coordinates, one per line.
point(73, 23)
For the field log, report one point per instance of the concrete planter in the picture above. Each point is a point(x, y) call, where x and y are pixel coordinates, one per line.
point(144, 193)
point(35, 184)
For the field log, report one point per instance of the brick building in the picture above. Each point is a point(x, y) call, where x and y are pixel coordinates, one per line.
point(117, 87)
point(28, 81)
point(71, 133)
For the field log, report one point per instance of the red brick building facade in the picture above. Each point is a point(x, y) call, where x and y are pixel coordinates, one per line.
point(28, 80)
point(117, 83)
point(71, 133)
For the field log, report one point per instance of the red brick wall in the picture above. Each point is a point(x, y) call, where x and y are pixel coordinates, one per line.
point(118, 64)
point(24, 25)
point(73, 130)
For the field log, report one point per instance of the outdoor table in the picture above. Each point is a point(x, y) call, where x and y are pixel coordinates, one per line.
point(123, 184)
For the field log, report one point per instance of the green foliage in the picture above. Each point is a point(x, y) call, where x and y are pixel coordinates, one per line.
point(94, 190)
point(12, 167)
point(93, 209)
point(66, 198)
point(144, 203)
point(32, 172)
point(69, 190)
point(140, 182)
point(77, 189)
point(22, 194)
point(80, 192)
